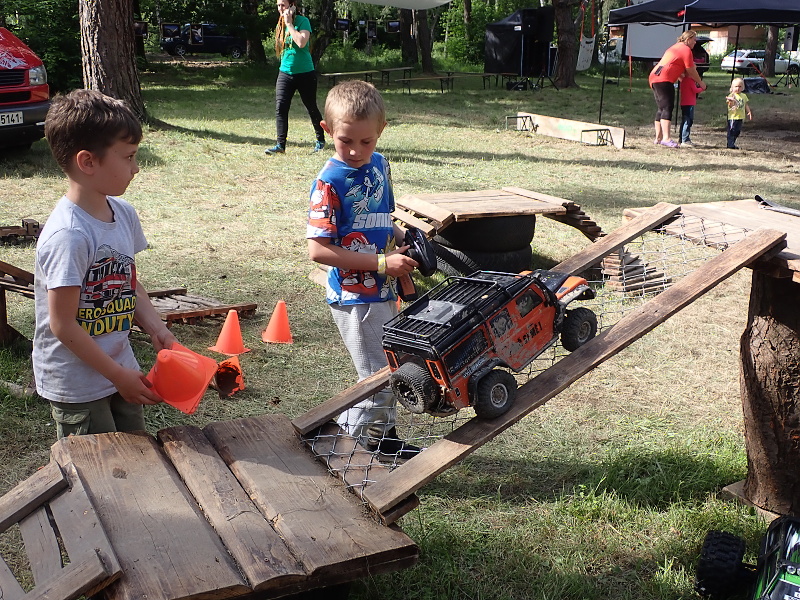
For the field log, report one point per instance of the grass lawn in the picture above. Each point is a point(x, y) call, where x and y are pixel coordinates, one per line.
point(607, 491)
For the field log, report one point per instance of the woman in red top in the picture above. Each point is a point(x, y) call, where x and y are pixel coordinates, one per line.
point(677, 60)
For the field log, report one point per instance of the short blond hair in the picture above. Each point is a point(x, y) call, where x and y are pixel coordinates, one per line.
point(736, 83)
point(687, 35)
point(354, 101)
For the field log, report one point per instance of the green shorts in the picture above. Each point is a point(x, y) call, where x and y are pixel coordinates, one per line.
point(105, 415)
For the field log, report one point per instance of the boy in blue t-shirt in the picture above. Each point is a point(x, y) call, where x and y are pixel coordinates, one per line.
point(350, 229)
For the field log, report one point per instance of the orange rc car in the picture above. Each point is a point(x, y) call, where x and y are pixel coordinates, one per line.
point(453, 347)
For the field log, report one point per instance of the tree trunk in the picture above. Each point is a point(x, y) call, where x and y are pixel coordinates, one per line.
point(771, 51)
point(107, 51)
point(770, 388)
point(567, 31)
point(424, 40)
point(325, 30)
point(255, 48)
point(408, 43)
point(467, 19)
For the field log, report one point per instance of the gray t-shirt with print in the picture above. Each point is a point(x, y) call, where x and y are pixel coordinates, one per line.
point(75, 249)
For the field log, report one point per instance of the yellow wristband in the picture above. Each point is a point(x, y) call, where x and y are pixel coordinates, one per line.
point(381, 264)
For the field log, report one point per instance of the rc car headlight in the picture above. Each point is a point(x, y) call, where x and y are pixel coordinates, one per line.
point(37, 75)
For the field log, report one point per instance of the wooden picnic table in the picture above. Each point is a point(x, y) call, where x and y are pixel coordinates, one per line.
point(386, 73)
point(487, 77)
point(445, 81)
point(228, 511)
point(332, 77)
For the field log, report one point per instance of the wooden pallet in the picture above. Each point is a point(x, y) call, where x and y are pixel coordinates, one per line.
point(566, 129)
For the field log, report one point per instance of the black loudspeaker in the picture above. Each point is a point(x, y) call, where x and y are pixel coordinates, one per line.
point(529, 20)
point(545, 21)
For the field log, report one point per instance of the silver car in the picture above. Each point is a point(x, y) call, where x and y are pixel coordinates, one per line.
point(751, 62)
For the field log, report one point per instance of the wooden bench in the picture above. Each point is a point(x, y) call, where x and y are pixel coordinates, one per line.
point(332, 77)
point(445, 81)
point(487, 77)
point(387, 73)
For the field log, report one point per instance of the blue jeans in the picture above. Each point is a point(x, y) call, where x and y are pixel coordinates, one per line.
point(687, 119)
point(734, 129)
point(285, 87)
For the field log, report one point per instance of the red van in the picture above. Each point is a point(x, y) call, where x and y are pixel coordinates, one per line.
point(24, 93)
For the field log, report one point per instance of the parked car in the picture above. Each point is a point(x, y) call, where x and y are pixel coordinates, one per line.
point(751, 62)
point(204, 37)
point(24, 93)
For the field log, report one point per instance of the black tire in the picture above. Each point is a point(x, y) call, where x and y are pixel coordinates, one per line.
point(492, 234)
point(236, 52)
point(580, 326)
point(496, 392)
point(462, 262)
point(415, 388)
point(720, 569)
point(179, 50)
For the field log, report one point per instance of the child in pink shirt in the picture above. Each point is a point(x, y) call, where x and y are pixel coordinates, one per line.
point(689, 90)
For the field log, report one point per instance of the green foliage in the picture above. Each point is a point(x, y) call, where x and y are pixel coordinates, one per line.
point(465, 42)
point(51, 29)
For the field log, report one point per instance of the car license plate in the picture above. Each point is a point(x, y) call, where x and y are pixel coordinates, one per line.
point(11, 118)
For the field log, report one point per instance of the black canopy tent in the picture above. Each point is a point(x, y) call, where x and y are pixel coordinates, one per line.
point(520, 43)
point(706, 12)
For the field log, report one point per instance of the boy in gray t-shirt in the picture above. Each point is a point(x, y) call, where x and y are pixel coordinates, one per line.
point(86, 286)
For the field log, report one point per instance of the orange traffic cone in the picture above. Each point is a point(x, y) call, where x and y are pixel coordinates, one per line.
point(277, 330)
point(230, 338)
point(228, 378)
point(181, 377)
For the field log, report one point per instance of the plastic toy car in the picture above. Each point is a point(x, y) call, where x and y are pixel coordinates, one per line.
point(454, 346)
point(776, 576)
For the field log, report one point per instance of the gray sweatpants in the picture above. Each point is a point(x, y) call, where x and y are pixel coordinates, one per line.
point(361, 328)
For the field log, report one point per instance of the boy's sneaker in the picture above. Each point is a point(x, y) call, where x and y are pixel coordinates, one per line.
point(276, 149)
point(389, 444)
point(687, 144)
point(319, 146)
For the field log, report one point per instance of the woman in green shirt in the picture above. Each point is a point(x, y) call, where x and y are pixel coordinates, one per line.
point(296, 74)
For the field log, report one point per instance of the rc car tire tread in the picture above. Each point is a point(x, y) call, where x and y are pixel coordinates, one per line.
point(496, 392)
point(720, 569)
point(580, 326)
point(490, 234)
point(414, 388)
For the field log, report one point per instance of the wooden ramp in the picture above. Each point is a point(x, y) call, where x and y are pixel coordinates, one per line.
point(237, 508)
point(577, 131)
point(403, 481)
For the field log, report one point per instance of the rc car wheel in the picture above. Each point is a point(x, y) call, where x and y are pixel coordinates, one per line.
point(180, 50)
point(580, 325)
point(495, 395)
point(720, 570)
point(415, 388)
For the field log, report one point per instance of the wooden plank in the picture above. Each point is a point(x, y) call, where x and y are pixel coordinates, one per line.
point(353, 464)
point(166, 292)
point(16, 272)
point(538, 196)
point(594, 253)
point(29, 495)
point(41, 545)
point(10, 588)
point(409, 219)
point(255, 546)
point(409, 477)
point(313, 511)
point(341, 401)
point(439, 216)
point(575, 131)
point(165, 547)
point(80, 527)
point(174, 315)
point(76, 579)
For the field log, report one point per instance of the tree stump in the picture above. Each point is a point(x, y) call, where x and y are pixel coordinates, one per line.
point(770, 389)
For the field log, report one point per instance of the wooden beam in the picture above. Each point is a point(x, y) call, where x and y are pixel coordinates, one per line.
point(342, 401)
point(72, 581)
point(411, 476)
point(29, 495)
point(593, 254)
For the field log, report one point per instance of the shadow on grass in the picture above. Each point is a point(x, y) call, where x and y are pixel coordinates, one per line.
point(651, 479)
